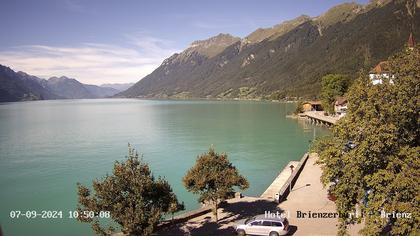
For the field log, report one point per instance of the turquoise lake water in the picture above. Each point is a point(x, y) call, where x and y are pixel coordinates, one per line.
point(46, 147)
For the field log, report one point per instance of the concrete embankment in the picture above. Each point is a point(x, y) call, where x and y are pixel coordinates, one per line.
point(273, 190)
point(280, 187)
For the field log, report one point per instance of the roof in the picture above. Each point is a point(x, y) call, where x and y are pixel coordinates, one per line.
point(411, 41)
point(382, 67)
point(340, 101)
point(262, 217)
point(313, 102)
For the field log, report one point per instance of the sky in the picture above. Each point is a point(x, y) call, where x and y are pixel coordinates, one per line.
point(120, 41)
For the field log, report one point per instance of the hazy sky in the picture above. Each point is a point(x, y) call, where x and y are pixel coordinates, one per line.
point(103, 41)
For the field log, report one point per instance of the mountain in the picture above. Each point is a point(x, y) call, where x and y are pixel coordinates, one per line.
point(275, 31)
point(179, 65)
point(211, 47)
point(22, 87)
point(68, 88)
point(73, 89)
point(341, 13)
point(101, 92)
point(119, 87)
point(288, 59)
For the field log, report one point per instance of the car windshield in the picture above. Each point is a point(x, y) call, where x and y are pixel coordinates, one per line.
point(250, 219)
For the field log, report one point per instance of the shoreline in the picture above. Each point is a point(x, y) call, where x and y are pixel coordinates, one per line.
point(159, 99)
point(211, 99)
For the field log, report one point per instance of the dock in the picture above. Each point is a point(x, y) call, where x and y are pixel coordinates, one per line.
point(279, 181)
point(318, 117)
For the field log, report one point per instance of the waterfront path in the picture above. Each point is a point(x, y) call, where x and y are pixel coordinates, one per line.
point(236, 209)
point(307, 196)
point(279, 181)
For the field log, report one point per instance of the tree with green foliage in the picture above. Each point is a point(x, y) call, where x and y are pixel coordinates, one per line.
point(378, 172)
point(213, 177)
point(134, 199)
point(299, 108)
point(333, 85)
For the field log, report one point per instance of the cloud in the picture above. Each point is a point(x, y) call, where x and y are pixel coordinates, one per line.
point(91, 63)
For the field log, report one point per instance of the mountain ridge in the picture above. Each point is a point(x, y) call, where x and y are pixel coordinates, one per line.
point(20, 86)
point(345, 39)
point(120, 87)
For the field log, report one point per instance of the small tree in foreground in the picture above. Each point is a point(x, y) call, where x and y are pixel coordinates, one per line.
point(213, 177)
point(133, 197)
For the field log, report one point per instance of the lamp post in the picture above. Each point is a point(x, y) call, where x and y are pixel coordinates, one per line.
point(291, 173)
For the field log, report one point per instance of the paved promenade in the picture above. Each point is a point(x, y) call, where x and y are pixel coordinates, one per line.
point(235, 210)
point(307, 196)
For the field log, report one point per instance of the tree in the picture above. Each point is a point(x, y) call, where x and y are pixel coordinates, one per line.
point(133, 197)
point(379, 173)
point(299, 108)
point(213, 177)
point(333, 85)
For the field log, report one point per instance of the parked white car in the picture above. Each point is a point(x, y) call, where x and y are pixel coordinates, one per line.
point(260, 225)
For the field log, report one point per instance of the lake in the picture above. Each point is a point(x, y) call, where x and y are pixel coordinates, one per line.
point(46, 147)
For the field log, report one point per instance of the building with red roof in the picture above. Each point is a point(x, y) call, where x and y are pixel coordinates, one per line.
point(380, 72)
point(382, 69)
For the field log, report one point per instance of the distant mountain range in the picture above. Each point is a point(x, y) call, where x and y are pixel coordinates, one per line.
point(120, 87)
point(19, 86)
point(288, 59)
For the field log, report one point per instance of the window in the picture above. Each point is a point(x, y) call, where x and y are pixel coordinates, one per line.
point(249, 220)
point(266, 223)
point(255, 223)
point(277, 224)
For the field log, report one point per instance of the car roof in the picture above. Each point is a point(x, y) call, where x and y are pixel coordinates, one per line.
point(263, 217)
